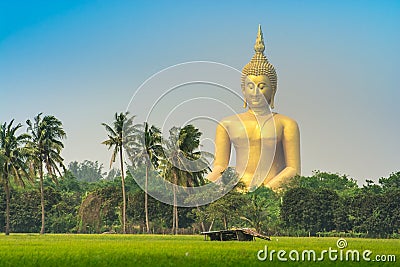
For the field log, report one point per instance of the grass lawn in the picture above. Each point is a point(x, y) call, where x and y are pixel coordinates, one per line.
point(168, 250)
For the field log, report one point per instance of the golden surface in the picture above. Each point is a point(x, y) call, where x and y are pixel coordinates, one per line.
point(267, 144)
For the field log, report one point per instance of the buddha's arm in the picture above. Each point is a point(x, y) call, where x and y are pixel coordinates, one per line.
point(291, 149)
point(222, 153)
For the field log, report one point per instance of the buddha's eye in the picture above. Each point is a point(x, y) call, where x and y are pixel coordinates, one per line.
point(261, 86)
point(250, 86)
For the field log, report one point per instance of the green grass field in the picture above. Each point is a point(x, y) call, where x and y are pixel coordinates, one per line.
point(158, 250)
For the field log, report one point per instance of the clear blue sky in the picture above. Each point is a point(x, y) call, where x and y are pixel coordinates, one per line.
point(337, 63)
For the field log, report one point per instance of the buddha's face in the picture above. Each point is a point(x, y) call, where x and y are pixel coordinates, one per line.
point(258, 91)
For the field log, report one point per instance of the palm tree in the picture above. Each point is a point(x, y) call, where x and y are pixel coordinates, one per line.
point(181, 164)
point(45, 148)
point(121, 132)
point(12, 161)
point(144, 149)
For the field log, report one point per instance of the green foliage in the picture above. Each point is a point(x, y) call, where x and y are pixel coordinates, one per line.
point(45, 146)
point(375, 214)
point(224, 212)
point(144, 146)
point(296, 210)
point(341, 184)
point(13, 157)
point(69, 183)
point(2, 209)
point(262, 210)
point(181, 164)
point(308, 210)
point(61, 208)
point(25, 211)
point(159, 213)
point(73, 206)
point(63, 213)
point(86, 171)
point(13, 154)
point(122, 132)
point(112, 174)
point(100, 210)
point(391, 183)
point(372, 210)
point(145, 149)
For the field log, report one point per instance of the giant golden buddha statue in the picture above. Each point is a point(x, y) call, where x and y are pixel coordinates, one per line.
point(267, 144)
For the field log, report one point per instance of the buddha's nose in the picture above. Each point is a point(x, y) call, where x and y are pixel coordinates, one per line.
point(256, 91)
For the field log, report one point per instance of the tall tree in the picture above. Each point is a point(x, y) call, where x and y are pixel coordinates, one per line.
point(12, 161)
point(87, 171)
point(121, 133)
point(144, 149)
point(45, 149)
point(181, 163)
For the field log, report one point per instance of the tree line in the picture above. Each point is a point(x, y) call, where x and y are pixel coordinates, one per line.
point(40, 191)
point(23, 157)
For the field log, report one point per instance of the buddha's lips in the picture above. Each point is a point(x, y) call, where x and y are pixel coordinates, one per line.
point(257, 99)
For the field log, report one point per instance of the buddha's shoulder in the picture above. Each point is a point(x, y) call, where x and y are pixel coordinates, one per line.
point(236, 119)
point(285, 120)
point(241, 117)
point(230, 119)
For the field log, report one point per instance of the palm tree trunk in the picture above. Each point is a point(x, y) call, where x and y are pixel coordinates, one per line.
point(211, 225)
point(146, 209)
point(203, 228)
point(41, 197)
point(173, 212)
point(7, 189)
point(175, 208)
point(177, 218)
point(123, 193)
point(225, 222)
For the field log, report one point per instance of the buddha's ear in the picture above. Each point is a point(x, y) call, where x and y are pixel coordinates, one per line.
point(272, 100)
point(244, 98)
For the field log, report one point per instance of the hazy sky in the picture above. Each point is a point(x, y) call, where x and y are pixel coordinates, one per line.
point(337, 65)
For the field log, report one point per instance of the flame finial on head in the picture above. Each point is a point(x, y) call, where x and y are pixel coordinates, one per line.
point(259, 46)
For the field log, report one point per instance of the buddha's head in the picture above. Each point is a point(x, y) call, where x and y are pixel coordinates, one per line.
point(259, 77)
